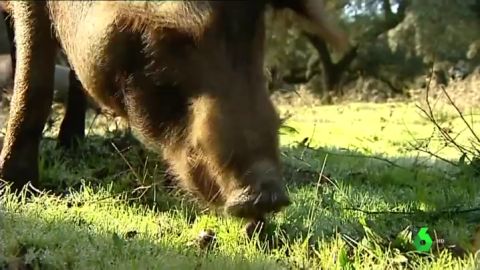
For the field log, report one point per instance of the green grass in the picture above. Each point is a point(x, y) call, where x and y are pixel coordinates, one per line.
point(106, 208)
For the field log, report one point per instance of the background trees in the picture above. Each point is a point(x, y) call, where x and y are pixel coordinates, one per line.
point(392, 41)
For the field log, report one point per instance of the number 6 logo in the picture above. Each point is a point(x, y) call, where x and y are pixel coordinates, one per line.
point(423, 241)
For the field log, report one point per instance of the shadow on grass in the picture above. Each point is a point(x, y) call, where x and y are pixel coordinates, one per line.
point(358, 192)
point(356, 185)
point(68, 242)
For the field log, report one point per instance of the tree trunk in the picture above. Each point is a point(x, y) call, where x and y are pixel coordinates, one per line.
point(332, 72)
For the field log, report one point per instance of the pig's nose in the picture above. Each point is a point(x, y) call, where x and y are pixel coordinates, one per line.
point(254, 203)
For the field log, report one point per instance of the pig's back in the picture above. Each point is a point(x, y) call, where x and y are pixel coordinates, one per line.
point(84, 30)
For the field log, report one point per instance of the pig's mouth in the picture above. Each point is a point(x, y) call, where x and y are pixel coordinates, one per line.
point(249, 204)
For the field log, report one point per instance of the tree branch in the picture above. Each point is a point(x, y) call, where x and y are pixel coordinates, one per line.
point(333, 71)
point(387, 10)
point(389, 84)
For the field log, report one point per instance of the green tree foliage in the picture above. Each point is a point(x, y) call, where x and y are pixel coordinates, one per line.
point(444, 29)
point(393, 41)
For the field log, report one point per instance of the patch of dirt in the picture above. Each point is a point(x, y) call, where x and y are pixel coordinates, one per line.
point(465, 94)
point(368, 90)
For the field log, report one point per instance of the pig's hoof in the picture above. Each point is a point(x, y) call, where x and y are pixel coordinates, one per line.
point(18, 174)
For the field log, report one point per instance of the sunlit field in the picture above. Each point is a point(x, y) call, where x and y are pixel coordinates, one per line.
point(360, 176)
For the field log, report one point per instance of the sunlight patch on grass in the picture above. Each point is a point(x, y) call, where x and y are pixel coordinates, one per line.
point(387, 128)
point(98, 217)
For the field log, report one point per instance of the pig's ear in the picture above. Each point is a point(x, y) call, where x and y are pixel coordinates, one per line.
point(313, 11)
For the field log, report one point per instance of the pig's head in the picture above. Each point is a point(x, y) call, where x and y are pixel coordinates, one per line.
point(195, 91)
